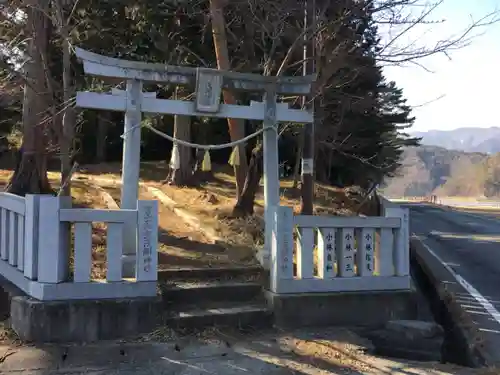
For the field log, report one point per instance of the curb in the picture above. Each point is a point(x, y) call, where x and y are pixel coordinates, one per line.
point(453, 316)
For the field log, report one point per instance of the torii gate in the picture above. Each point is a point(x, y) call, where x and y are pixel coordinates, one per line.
point(208, 84)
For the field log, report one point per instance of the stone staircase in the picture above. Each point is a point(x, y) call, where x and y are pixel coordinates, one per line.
point(195, 299)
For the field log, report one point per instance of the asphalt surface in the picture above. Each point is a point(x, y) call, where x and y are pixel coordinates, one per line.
point(468, 244)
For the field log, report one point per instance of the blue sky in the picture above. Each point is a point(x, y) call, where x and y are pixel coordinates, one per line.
point(467, 84)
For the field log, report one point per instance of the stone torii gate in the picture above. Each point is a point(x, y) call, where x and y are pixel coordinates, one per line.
point(208, 84)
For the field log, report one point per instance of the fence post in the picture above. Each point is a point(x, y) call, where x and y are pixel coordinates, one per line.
point(53, 240)
point(281, 247)
point(147, 241)
point(401, 241)
point(31, 218)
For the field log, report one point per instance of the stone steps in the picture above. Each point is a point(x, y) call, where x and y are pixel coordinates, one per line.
point(197, 292)
point(221, 297)
point(230, 315)
point(220, 273)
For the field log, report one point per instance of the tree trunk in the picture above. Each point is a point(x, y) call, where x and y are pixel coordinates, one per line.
point(68, 121)
point(67, 136)
point(245, 204)
point(236, 127)
point(182, 130)
point(200, 136)
point(298, 157)
point(198, 174)
point(102, 133)
point(330, 162)
point(30, 175)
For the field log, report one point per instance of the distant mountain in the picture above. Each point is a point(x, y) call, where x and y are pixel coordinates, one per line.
point(428, 169)
point(486, 140)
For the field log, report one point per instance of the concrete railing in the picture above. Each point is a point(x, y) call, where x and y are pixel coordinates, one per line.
point(334, 254)
point(36, 247)
point(17, 248)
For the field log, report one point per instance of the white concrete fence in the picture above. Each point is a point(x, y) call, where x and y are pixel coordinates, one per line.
point(36, 245)
point(340, 254)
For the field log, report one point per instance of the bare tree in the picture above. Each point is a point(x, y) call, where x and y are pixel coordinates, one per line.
point(399, 18)
point(278, 33)
point(280, 36)
point(400, 23)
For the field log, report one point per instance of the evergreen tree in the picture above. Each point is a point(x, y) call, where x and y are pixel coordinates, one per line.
point(360, 117)
point(363, 115)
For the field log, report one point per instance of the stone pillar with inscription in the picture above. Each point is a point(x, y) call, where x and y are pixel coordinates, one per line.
point(147, 233)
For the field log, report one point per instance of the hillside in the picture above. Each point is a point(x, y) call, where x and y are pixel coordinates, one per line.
point(428, 169)
point(474, 179)
point(486, 140)
point(464, 161)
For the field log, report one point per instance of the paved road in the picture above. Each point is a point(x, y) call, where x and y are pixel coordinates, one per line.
point(468, 243)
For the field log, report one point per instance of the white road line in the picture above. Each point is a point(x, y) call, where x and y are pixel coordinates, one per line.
point(493, 220)
point(495, 314)
point(481, 217)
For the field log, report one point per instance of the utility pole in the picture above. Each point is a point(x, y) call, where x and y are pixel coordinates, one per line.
point(307, 170)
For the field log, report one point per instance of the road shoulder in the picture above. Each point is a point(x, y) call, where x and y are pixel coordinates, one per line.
point(465, 325)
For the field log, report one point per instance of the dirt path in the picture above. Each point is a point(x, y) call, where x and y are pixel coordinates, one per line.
point(181, 245)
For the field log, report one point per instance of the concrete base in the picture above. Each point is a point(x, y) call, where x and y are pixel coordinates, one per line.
point(263, 256)
point(408, 339)
point(349, 309)
point(4, 304)
point(82, 321)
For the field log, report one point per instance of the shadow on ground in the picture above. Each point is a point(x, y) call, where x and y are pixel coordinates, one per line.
point(330, 351)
